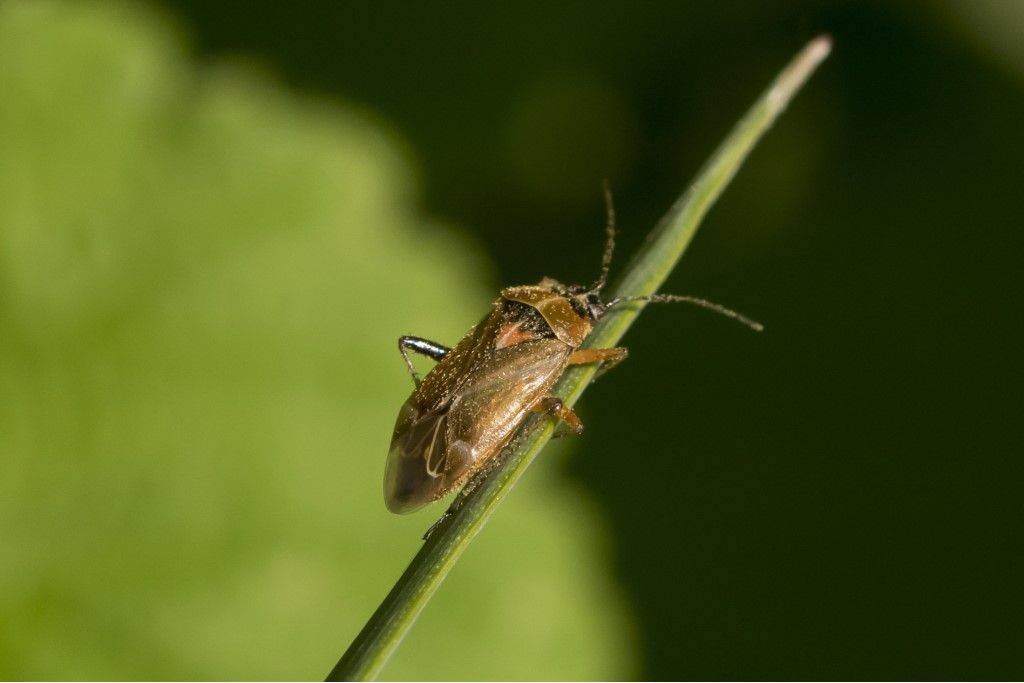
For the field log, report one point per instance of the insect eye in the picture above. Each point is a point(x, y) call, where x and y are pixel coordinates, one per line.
point(577, 306)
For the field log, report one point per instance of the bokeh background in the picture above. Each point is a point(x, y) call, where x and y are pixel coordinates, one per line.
point(217, 217)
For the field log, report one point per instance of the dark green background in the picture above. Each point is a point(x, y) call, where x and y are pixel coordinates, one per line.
point(837, 498)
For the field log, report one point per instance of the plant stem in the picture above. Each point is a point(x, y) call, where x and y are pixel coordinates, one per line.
point(378, 640)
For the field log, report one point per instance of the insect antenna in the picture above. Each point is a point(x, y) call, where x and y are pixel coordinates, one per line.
point(696, 301)
point(609, 245)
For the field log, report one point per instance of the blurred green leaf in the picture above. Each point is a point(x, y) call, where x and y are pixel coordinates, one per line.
point(202, 277)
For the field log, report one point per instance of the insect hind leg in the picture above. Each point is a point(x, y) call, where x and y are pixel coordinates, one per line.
point(552, 405)
point(421, 346)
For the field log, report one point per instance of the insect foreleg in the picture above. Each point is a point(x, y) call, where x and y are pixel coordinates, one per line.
point(421, 346)
point(608, 358)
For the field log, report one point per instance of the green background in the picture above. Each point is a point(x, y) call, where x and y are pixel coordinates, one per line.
point(217, 217)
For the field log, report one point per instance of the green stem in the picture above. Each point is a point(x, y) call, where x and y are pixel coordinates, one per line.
point(378, 640)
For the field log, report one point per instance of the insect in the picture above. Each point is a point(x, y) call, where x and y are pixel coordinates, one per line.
point(467, 408)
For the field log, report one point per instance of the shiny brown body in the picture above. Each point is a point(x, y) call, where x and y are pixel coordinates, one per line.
point(469, 406)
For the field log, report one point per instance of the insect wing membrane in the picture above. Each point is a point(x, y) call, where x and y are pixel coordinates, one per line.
point(421, 466)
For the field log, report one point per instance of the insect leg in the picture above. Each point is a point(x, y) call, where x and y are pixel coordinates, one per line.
point(608, 358)
point(553, 406)
point(422, 346)
point(436, 525)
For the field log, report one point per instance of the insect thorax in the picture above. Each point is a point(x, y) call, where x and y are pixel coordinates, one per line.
point(527, 318)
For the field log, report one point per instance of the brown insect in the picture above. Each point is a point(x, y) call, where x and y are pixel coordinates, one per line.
point(470, 404)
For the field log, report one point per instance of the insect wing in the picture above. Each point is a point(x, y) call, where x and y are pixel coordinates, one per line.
point(435, 450)
point(420, 466)
point(489, 409)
